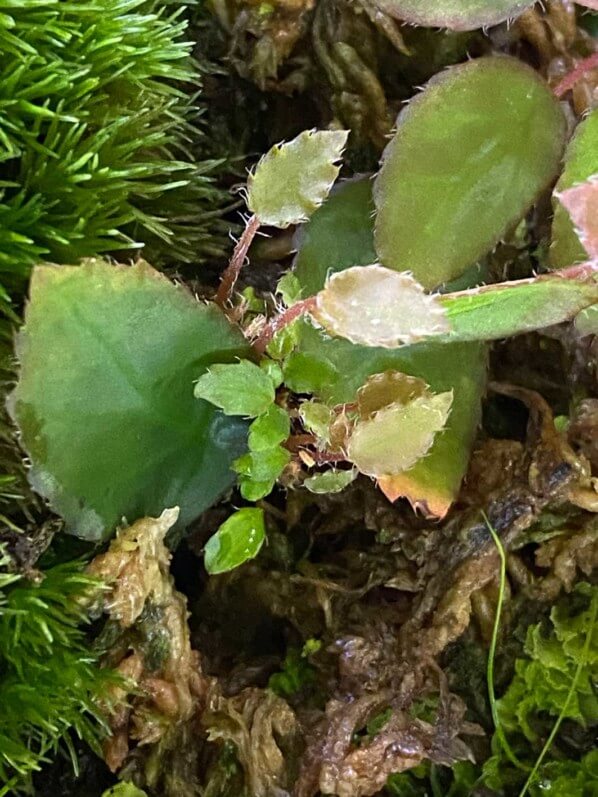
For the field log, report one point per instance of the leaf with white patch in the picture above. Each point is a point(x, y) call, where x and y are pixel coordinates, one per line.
point(376, 306)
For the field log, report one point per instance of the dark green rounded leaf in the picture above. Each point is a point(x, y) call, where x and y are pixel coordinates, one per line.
point(470, 156)
point(338, 235)
point(238, 539)
point(454, 14)
point(105, 404)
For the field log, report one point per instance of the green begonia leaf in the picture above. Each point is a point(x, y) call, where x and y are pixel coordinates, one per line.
point(338, 235)
point(241, 388)
point(511, 308)
point(293, 179)
point(581, 162)
point(308, 373)
point(258, 471)
point(238, 539)
point(586, 323)
point(105, 401)
point(269, 429)
point(264, 465)
point(454, 14)
point(460, 171)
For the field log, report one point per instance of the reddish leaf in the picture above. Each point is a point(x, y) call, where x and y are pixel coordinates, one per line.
point(581, 201)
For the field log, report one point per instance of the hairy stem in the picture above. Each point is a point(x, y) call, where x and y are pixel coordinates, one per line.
point(237, 261)
point(281, 321)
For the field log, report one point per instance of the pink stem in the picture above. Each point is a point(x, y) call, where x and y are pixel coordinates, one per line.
point(576, 74)
point(281, 321)
point(237, 261)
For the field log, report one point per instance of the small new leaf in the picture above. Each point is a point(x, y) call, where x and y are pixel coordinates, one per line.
point(241, 388)
point(238, 539)
point(399, 435)
point(258, 471)
point(289, 288)
point(293, 179)
point(269, 429)
point(376, 306)
point(581, 202)
point(316, 418)
point(331, 481)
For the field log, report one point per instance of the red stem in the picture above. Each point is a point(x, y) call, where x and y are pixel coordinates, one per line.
point(281, 321)
point(231, 274)
point(326, 457)
point(576, 74)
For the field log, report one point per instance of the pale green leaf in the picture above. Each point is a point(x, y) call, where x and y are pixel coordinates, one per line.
point(238, 539)
point(581, 162)
point(330, 481)
point(241, 388)
point(316, 418)
point(460, 171)
point(454, 14)
point(269, 429)
point(375, 306)
point(105, 401)
point(396, 437)
point(293, 179)
point(289, 288)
